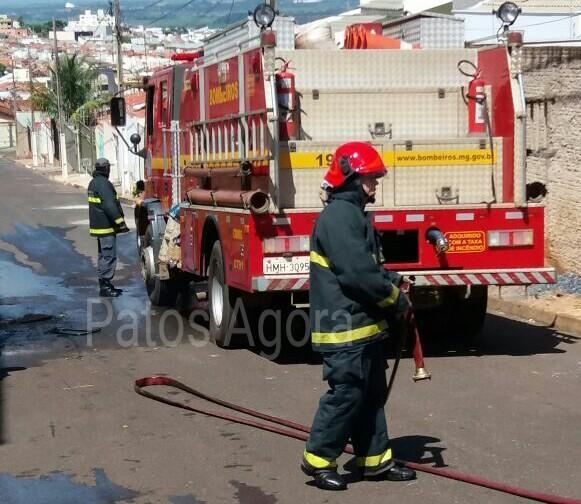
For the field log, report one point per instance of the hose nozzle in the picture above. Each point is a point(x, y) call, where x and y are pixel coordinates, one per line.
point(438, 240)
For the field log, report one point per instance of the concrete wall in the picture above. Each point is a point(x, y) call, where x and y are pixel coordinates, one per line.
point(7, 134)
point(553, 91)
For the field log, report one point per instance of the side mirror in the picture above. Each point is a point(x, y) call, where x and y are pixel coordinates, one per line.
point(118, 114)
point(135, 139)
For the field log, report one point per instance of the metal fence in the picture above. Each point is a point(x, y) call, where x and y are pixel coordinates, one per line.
point(87, 150)
point(72, 149)
point(7, 135)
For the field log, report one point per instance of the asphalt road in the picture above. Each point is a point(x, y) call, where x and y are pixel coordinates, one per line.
point(506, 407)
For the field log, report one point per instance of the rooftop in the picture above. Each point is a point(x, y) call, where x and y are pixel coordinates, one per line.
point(556, 6)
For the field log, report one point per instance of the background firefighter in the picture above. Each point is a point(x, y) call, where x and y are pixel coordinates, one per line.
point(351, 296)
point(106, 219)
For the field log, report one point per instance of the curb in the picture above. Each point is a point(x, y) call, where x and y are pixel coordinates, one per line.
point(124, 199)
point(562, 323)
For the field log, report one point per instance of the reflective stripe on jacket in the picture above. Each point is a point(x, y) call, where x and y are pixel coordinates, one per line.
point(350, 292)
point(105, 212)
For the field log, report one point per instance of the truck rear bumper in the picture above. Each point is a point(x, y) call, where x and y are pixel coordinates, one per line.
point(432, 278)
point(448, 278)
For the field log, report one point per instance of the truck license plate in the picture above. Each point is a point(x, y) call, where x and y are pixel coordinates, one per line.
point(285, 265)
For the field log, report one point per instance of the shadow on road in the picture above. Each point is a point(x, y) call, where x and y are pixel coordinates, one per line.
point(500, 336)
point(4, 373)
point(409, 448)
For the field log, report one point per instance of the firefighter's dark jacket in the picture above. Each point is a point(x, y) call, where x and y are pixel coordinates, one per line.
point(105, 212)
point(350, 292)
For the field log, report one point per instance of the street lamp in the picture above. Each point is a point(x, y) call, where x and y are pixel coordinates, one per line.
point(264, 16)
point(508, 13)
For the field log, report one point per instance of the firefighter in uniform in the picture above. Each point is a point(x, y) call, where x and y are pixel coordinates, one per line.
point(106, 220)
point(351, 294)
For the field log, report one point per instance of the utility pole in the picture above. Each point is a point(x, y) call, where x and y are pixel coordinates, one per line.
point(62, 140)
point(14, 106)
point(119, 38)
point(145, 47)
point(33, 142)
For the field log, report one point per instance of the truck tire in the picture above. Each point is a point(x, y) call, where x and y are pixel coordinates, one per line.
point(468, 313)
point(160, 292)
point(458, 317)
point(220, 299)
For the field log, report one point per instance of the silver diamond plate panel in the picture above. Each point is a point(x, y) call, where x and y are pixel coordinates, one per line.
point(439, 33)
point(246, 33)
point(377, 69)
point(402, 186)
point(349, 116)
point(433, 185)
point(410, 32)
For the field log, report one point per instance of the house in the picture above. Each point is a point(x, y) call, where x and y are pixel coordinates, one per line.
point(557, 21)
point(428, 29)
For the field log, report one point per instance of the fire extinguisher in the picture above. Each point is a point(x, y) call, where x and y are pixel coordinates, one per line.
point(288, 114)
point(476, 113)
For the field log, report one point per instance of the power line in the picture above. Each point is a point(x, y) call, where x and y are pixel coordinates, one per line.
point(551, 21)
point(488, 37)
point(136, 9)
point(171, 12)
point(230, 12)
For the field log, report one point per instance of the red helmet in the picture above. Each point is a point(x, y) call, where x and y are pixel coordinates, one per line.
point(353, 157)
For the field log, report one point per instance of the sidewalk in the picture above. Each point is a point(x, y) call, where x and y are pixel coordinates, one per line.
point(552, 307)
point(79, 180)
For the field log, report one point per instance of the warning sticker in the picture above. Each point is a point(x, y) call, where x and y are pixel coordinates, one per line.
point(466, 242)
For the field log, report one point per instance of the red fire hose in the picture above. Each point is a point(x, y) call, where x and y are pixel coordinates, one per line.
point(298, 431)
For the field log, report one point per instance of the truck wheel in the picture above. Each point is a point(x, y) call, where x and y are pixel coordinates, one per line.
point(160, 292)
point(220, 300)
point(469, 313)
point(457, 317)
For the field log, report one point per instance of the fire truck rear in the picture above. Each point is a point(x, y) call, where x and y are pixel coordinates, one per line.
point(238, 138)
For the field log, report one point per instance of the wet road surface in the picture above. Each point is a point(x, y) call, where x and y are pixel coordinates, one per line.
point(505, 407)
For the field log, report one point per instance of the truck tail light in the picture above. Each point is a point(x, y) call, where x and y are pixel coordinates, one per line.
point(282, 244)
point(514, 238)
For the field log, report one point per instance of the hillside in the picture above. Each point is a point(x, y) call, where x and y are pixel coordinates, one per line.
point(199, 13)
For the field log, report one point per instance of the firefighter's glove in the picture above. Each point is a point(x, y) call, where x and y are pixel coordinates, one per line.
point(402, 306)
point(395, 278)
point(122, 228)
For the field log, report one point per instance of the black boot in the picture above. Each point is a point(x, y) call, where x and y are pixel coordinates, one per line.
point(390, 470)
point(113, 287)
point(106, 289)
point(325, 479)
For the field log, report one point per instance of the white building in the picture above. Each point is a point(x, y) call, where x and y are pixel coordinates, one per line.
point(540, 20)
point(97, 25)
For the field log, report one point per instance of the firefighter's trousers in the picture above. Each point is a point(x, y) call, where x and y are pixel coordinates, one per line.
point(352, 409)
point(107, 257)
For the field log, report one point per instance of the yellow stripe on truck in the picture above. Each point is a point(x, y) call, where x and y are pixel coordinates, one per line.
point(321, 159)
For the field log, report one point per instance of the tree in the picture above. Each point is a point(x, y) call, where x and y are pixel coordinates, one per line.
point(79, 98)
point(43, 29)
point(2, 69)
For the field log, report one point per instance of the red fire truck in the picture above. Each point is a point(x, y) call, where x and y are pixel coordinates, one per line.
point(239, 135)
